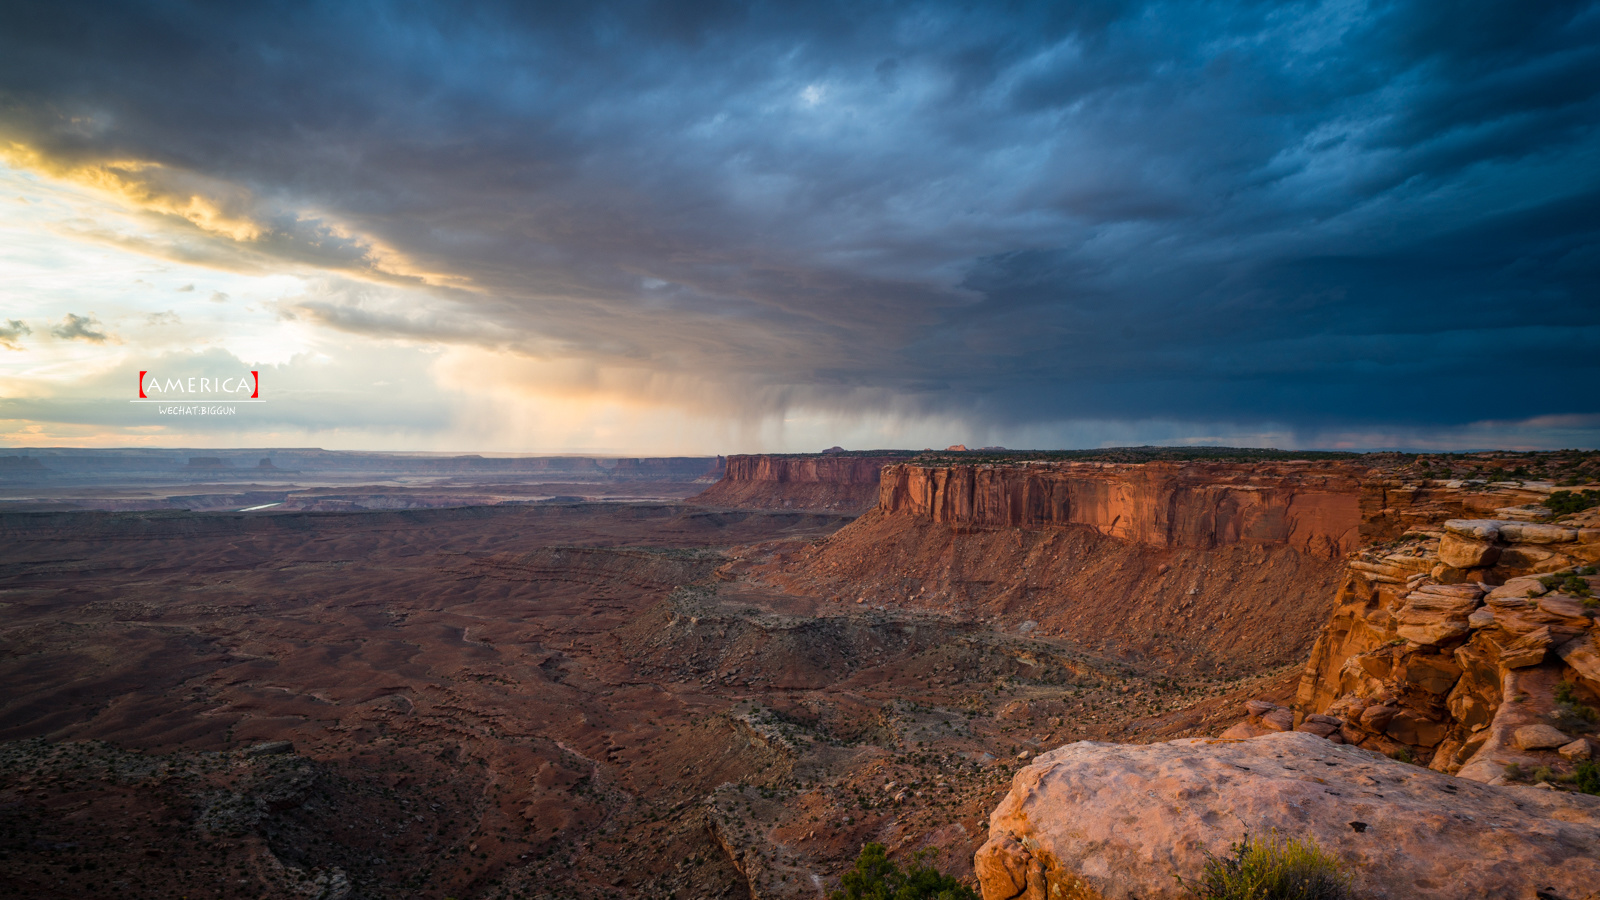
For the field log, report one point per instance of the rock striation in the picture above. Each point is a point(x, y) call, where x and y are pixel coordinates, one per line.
point(831, 481)
point(1094, 821)
point(1312, 508)
point(1471, 645)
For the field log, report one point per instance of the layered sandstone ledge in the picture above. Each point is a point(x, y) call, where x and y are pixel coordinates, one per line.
point(1471, 646)
point(1096, 821)
point(1315, 508)
point(828, 481)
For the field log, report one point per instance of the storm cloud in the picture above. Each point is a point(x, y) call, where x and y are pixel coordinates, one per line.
point(1326, 216)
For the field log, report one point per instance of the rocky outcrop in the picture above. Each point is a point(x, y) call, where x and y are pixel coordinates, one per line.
point(1312, 508)
point(1448, 644)
point(1094, 821)
point(831, 481)
point(1392, 506)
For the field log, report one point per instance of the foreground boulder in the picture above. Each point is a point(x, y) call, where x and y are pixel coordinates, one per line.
point(1094, 821)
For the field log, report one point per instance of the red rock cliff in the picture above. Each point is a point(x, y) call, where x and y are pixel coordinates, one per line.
point(833, 482)
point(1315, 509)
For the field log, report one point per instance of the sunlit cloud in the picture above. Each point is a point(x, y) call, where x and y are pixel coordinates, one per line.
point(207, 203)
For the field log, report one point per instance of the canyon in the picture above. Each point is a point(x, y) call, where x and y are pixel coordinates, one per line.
point(728, 694)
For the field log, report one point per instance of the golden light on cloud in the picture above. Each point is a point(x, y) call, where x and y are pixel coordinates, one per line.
point(210, 204)
point(232, 215)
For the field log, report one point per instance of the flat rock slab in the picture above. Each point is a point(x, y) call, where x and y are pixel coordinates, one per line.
point(1539, 737)
point(1094, 821)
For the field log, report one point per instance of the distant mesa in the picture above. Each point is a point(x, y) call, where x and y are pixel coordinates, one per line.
point(834, 449)
point(22, 468)
point(265, 464)
point(667, 468)
point(956, 448)
point(837, 480)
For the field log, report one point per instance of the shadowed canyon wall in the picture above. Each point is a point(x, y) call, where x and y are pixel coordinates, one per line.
point(832, 482)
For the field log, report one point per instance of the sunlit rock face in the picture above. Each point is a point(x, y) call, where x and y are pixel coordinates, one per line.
point(1313, 508)
point(1470, 645)
point(1096, 821)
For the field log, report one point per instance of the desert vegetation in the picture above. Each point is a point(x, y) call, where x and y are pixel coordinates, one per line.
point(1271, 868)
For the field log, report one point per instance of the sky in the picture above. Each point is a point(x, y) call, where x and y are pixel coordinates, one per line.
point(694, 228)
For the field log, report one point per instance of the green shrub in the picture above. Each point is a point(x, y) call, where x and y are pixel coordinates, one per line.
point(1574, 716)
point(1514, 772)
point(876, 877)
point(1565, 502)
point(1271, 869)
point(1586, 777)
point(1565, 692)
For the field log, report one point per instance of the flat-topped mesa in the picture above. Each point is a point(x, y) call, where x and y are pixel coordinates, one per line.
point(833, 481)
point(674, 468)
point(1312, 508)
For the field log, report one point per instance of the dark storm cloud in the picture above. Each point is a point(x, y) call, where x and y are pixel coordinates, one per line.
point(1240, 212)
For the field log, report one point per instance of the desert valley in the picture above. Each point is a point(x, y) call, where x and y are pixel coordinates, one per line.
point(721, 678)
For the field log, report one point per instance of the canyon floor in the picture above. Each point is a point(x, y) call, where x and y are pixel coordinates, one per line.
point(547, 700)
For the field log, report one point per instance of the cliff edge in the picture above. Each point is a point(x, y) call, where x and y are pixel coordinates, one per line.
point(1472, 646)
point(1314, 508)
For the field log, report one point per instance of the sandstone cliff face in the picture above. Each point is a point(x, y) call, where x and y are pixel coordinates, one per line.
point(830, 482)
point(1313, 509)
point(1469, 645)
point(1200, 565)
point(1092, 821)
